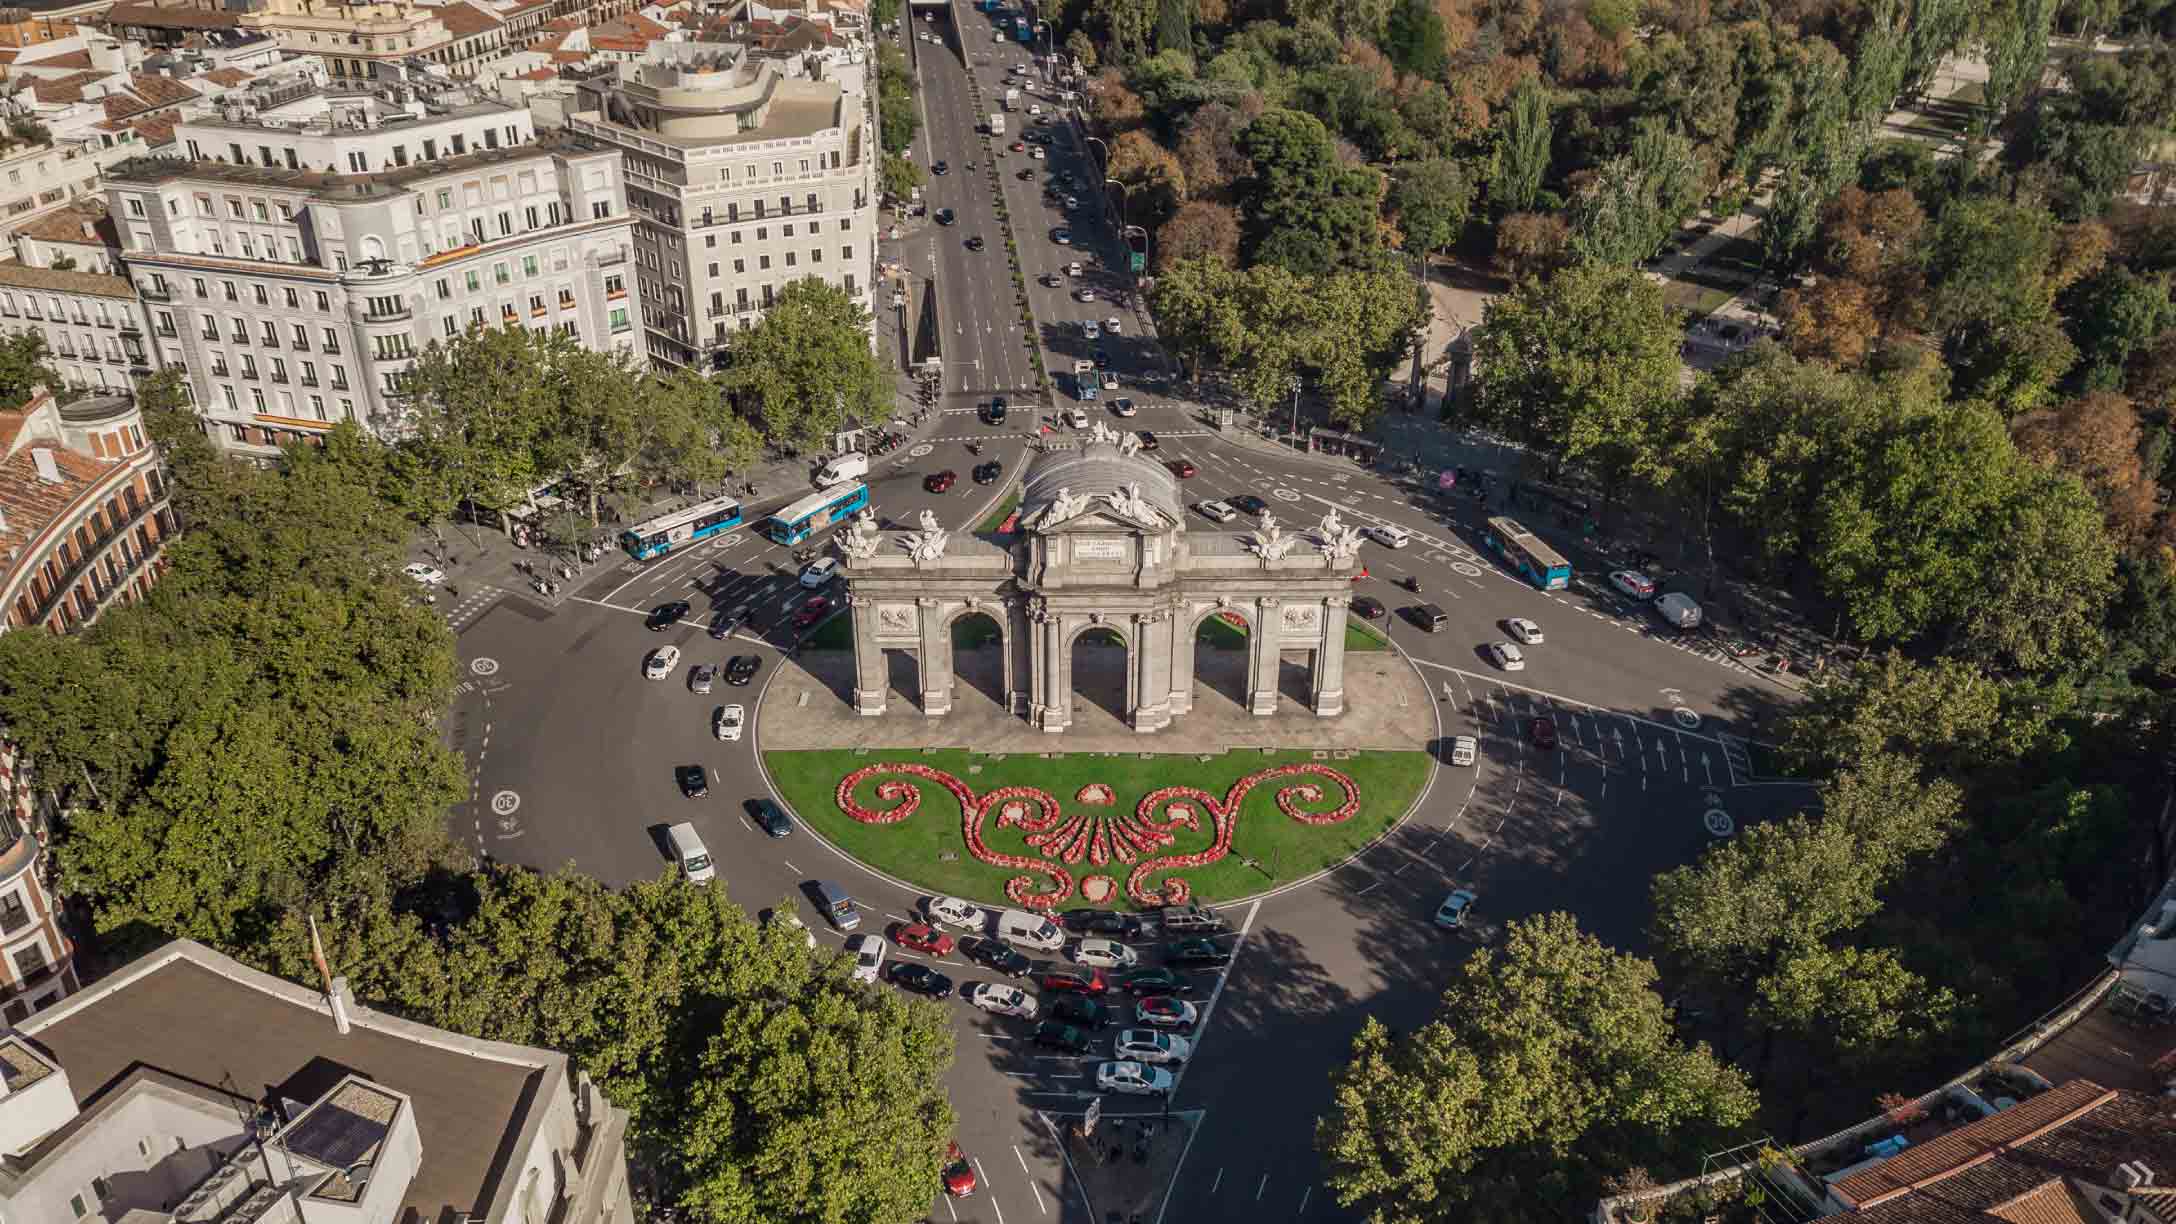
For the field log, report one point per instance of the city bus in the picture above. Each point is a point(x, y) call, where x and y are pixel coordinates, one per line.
point(815, 512)
point(1525, 552)
point(658, 536)
point(1022, 31)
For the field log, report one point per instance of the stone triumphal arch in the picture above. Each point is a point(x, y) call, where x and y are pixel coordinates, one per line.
point(1102, 547)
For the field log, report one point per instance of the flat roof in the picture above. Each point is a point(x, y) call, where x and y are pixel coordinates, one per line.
point(206, 1019)
point(340, 186)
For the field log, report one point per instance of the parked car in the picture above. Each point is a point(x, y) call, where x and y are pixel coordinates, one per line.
point(661, 662)
point(955, 912)
point(868, 953)
point(1086, 979)
point(1105, 954)
point(1543, 732)
point(1133, 1079)
point(1150, 1046)
point(701, 676)
point(959, 1172)
point(1002, 1000)
point(923, 937)
point(1164, 1012)
point(1055, 1035)
point(1157, 981)
point(728, 722)
point(1081, 1010)
point(921, 979)
point(1205, 953)
point(1102, 922)
point(425, 574)
point(997, 956)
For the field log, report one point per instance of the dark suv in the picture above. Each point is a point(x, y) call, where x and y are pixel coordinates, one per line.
point(995, 413)
point(996, 955)
point(987, 473)
point(741, 669)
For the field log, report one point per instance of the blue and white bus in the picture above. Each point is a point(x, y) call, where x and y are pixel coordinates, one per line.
point(658, 536)
point(1525, 552)
point(815, 512)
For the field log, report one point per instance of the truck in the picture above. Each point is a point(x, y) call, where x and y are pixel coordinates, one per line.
point(1678, 610)
point(997, 124)
point(1012, 99)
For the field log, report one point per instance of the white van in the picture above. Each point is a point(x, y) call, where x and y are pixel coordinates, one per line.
point(1679, 610)
point(1029, 930)
point(850, 466)
point(693, 856)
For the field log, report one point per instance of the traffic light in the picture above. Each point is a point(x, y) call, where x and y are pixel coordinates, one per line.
point(1136, 248)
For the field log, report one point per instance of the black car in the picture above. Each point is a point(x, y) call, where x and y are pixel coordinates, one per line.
point(740, 669)
point(940, 168)
point(1367, 607)
point(1103, 359)
point(995, 413)
point(1052, 1035)
point(1148, 439)
point(1205, 952)
point(921, 979)
point(988, 473)
point(769, 817)
point(1081, 1010)
point(975, 243)
point(996, 955)
point(694, 780)
point(944, 216)
point(1248, 503)
point(1156, 982)
point(724, 623)
point(665, 615)
point(1103, 922)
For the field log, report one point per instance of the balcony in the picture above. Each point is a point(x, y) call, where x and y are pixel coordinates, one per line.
point(308, 381)
point(250, 373)
point(330, 350)
point(238, 338)
point(219, 370)
point(64, 590)
point(168, 331)
point(279, 378)
point(379, 314)
point(155, 292)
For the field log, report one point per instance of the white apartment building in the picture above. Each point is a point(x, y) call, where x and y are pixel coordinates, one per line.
point(745, 179)
point(304, 252)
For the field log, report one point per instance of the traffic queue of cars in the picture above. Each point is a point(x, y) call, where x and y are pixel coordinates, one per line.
point(1095, 980)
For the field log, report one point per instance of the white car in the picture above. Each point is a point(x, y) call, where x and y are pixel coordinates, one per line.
point(1133, 1079)
point(1464, 749)
point(1110, 380)
point(424, 574)
point(1452, 913)
point(820, 572)
point(1105, 954)
point(661, 663)
point(1090, 331)
point(1113, 325)
point(1506, 656)
point(729, 722)
point(1084, 293)
point(1073, 269)
point(955, 912)
point(1035, 108)
point(1215, 511)
point(1036, 152)
point(1527, 632)
point(1076, 418)
point(1123, 407)
point(1633, 583)
point(1389, 536)
point(1002, 1000)
point(868, 954)
point(1150, 1046)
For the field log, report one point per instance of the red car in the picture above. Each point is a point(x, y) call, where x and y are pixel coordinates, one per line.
point(959, 1175)
point(812, 611)
point(1074, 977)
point(1543, 731)
point(939, 482)
point(922, 937)
point(1181, 468)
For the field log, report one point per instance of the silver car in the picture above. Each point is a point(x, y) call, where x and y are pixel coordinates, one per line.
point(1150, 1046)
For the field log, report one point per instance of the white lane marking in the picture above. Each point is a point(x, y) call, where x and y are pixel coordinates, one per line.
point(1258, 1190)
point(1031, 1179)
point(1218, 1182)
point(1303, 1199)
point(1532, 693)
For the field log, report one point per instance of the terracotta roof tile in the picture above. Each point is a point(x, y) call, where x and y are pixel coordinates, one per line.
point(2052, 1202)
point(51, 280)
point(228, 76)
point(466, 20)
point(539, 74)
point(122, 105)
point(8, 55)
point(66, 224)
point(65, 89)
point(70, 59)
point(161, 91)
point(160, 16)
point(1948, 1153)
point(157, 130)
point(32, 503)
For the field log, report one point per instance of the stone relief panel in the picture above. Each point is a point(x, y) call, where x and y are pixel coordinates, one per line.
point(896, 618)
point(1303, 618)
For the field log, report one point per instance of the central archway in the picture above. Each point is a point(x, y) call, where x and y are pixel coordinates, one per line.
point(981, 653)
point(1222, 658)
point(1099, 662)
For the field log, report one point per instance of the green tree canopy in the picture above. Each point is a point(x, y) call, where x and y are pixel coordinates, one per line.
point(807, 369)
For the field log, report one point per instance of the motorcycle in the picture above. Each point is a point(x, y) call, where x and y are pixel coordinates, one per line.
point(1412, 583)
point(974, 448)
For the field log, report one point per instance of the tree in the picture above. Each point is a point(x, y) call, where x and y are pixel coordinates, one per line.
point(1175, 26)
point(2111, 315)
point(1832, 322)
point(1858, 1006)
point(1584, 366)
point(478, 406)
point(1528, 244)
point(2052, 575)
point(24, 367)
point(2097, 439)
point(1155, 186)
point(1415, 40)
point(1524, 159)
point(1306, 212)
point(898, 120)
point(1430, 200)
point(1951, 717)
point(1209, 153)
point(1127, 27)
point(899, 177)
point(1361, 323)
point(807, 369)
point(2016, 43)
point(1551, 1063)
point(1197, 310)
point(1200, 229)
point(1635, 202)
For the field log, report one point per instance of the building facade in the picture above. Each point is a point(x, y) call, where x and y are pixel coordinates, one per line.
point(744, 178)
point(37, 962)
point(303, 254)
point(83, 510)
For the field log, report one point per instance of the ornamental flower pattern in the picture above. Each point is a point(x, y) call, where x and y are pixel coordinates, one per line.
point(1133, 838)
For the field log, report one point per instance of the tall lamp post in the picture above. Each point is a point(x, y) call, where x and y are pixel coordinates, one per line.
point(1103, 164)
point(1295, 408)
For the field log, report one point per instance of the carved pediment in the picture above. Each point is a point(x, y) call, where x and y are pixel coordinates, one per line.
point(1099, 522)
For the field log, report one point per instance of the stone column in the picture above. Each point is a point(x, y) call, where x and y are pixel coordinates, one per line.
point(1151, 685)
point(1330, 659)
point(1182, 659)
point(1047, 681)
point(936, 660)
point(870, 679)
point(1265, 655)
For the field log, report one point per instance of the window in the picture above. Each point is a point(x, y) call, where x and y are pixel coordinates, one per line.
point(530, 214)
point(359, 162)
point(785, 231)
point(736, 237)
point(309, 373)
point(529, 266)
point(500, 275)
point(256, 396)
point(201, 291)
point(317, 406)
point(332, 341)
point(263, 295)
point(473, 280)
point(323, 302)
point(257, 208)
point(813, 206)
point(302, 337)
point(791, 261)
point(227, 287)
point(816, 255)
point(740, 265)
point(294, 299)
point(506, 224)
point(445, 198)
point(271, 332)
point(601, 209)
point(763, 262)
point(451, 326)
point(710, 241)
point(76, 1205)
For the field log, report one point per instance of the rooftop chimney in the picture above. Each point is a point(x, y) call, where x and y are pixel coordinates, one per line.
point(2134, 1174)
point(339, 994)
point(48, 467)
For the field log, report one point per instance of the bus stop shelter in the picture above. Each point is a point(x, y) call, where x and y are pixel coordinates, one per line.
point(1337, 442)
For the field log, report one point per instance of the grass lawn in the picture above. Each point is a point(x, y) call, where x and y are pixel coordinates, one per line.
point(1362, 637)
point(1699, 300)
point(1219, 634)
point(928, 848)
point(834, 634)
point(998, 516)
point(968, 632)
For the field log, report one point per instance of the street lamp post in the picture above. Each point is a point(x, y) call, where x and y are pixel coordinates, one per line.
point(1295, 407)
point(1109, 183)
point(1103, 166)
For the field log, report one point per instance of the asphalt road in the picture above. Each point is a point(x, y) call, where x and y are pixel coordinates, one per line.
point(573, 752)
